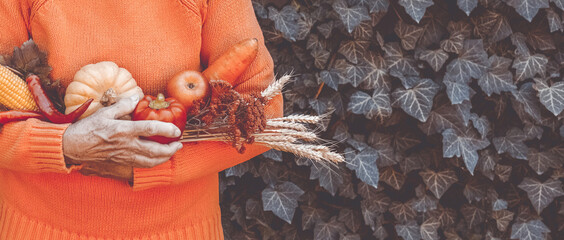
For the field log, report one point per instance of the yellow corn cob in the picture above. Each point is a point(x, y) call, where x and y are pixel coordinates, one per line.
point(14, 93)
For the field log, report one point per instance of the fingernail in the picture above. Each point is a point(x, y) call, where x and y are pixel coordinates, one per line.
point(179, 146)
point(177, 132)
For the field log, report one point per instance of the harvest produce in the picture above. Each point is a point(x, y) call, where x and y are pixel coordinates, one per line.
point(14, 93)
point(19, 115)
point(231, 64)
point(161, 109)
point(105, 82)
point(188, 87)
point(46, 106)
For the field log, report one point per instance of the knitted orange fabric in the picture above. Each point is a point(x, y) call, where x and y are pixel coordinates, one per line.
point(42, 199)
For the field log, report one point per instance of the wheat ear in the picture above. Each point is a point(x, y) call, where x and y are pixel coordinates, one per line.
point(275, 88)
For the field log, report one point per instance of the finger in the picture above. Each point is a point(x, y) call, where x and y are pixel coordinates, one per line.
point(147, 128)
point(123, 107)
point(152, 149)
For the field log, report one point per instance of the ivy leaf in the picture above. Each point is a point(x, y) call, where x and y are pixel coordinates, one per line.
point(457, 91)
point(435, 58)
point(320, 57)
point(499, 204)
point(532, 131)
point(481, 124)
point(473, 215)
point(328, 230)
point(528, 8)
point(282, 200)
point(527, 96)
point(269, 172)
point(397, 62)
point(416, 8)
point(376, 5)
point(463, 145)
point(375, 106)
point(554, 22)
point(559, 3)
point(418, 100)
point(403, 212)
point(498, 78)
point(353, 50)
point(446, 216)
point(312, 215)
point(331, 78)
point(540, 40)
point(552, 97)
point(438, 182)
point(503, 172)
point(472, 62)
point(376, 74)
point(467, 5)
point(285, 21)
point(531, 230)
point(364, 164)
point(542, 161)
point(326, 29)
point(493, 25)
point(409, 34)
point(354, 74)
point(512, 143)
point(273, 155)
point(541, 194)
point(502, 219)
point(425, 203)
point(329, 178)
point(392, 177)
point(351, 219)
point(429, 229)
point(351, 16)
point(347, 188)
point(454, 43)
point(528, 66)
point(443, 117)
point(408, 231)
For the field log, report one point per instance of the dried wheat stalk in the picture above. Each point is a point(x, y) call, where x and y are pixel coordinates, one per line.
point(288, 134)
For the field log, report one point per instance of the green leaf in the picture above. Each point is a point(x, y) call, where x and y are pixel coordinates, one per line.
point(375, 106)
point(285, 21)
point(529, 66)
point(364, 165)
point(396, 60)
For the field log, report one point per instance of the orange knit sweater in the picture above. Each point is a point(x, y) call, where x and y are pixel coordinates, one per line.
point(154, 39)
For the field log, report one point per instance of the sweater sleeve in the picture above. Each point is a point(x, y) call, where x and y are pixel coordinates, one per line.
point(226, 22)
point(29, 146)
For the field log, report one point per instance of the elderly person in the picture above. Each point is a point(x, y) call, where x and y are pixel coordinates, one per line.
point(43, 196)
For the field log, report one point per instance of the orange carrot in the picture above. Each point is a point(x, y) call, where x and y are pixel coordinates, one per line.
point(232, 63)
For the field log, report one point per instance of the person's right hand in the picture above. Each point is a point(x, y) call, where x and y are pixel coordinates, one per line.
point(103, 138)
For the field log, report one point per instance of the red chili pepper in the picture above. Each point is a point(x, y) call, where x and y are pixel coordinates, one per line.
point(17, 115)
point(46, 106)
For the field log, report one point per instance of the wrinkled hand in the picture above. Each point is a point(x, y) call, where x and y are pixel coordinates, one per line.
point(103, 138)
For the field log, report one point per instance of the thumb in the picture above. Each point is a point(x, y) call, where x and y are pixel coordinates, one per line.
point(123, 107)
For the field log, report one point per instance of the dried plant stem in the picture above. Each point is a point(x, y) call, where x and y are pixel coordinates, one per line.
point(300, 118)
point(275, 88)
point(288, 125)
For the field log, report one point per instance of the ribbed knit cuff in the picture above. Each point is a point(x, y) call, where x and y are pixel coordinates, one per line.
point(145, 178)
point(46, 148)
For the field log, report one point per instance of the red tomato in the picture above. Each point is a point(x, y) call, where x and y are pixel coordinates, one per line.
point(187, 87)
point(161, 109)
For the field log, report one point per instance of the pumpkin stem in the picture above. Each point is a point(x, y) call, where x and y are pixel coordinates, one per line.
point(109, 97)
point(159, 103)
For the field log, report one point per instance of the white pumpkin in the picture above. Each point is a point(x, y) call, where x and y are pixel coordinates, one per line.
point(100, 81)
